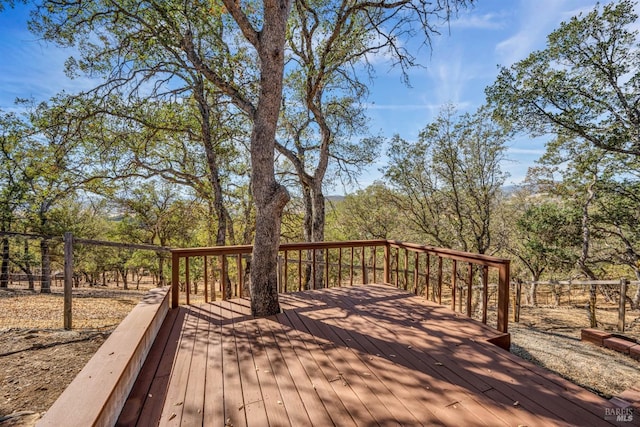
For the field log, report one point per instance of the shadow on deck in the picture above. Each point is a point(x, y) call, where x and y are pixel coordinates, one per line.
point(364, 355)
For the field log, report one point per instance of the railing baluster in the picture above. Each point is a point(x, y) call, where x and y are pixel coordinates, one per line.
point(485, 292)
point(326, 267)
point(439, 280)
point(397, 267)
point(364, 267)
point(175, 279)
point(186, 274)
point(223, 277)
point(469, 289)
point(313, 268)
point(214, 291)
point(454, 290)
point(416, 265)
point(206, 281)
point(351, 269)
point(387, 260)
point(299, 270)
point(375, 256)
point(340, 268)
point(217, 256)
point(286, 270)
point(427, 279)
point(240, 274)
point(406, 269)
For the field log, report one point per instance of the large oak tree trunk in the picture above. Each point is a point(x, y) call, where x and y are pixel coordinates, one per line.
point(270, 196)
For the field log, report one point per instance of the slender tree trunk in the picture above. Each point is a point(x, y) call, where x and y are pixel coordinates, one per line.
point(307, 227)
point(533, 290)
point(161, 278)
point(45, 257)
point(214, 172)
point(125, 279)
point(584, 253)
point(635, 300)
point(318, 229)
point(4, 267)
point(270, 196)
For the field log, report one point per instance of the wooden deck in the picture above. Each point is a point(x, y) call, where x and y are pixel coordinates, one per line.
point(365, 355)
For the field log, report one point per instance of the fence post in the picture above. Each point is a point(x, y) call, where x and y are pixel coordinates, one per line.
point(68, 279)
point(623, 303)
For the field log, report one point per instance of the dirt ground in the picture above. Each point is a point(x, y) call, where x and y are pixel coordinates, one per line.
point(550, 337)
point(39, 358)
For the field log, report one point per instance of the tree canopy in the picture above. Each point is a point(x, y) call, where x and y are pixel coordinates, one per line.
point(584, 84)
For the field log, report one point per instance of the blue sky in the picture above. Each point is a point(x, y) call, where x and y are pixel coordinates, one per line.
point(464, 60)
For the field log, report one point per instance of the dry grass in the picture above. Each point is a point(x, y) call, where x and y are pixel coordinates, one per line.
point(550, 337)
point(93, 308)
point(39, 359)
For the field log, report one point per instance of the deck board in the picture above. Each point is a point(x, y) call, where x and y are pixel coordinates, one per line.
point(214, 384)
point(362, 355)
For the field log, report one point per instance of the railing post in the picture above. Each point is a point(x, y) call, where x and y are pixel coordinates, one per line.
point(623, 304)
point(503, 297)
point(175, 277)
point(385, 270)
point(68, 279)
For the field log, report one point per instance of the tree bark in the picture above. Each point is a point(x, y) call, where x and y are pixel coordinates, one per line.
point(45, 257)
point(161, 279)
point(584, 253)
point(4, 268)
point(270, 196)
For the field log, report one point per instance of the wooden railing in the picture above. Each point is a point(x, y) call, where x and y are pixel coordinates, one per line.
point(473, 284)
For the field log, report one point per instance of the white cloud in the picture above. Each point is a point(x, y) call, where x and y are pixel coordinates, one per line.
point(528, 151)
point(487, 21)
point(537, 20)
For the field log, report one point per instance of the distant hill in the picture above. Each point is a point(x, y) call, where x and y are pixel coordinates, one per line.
point(334, 198)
